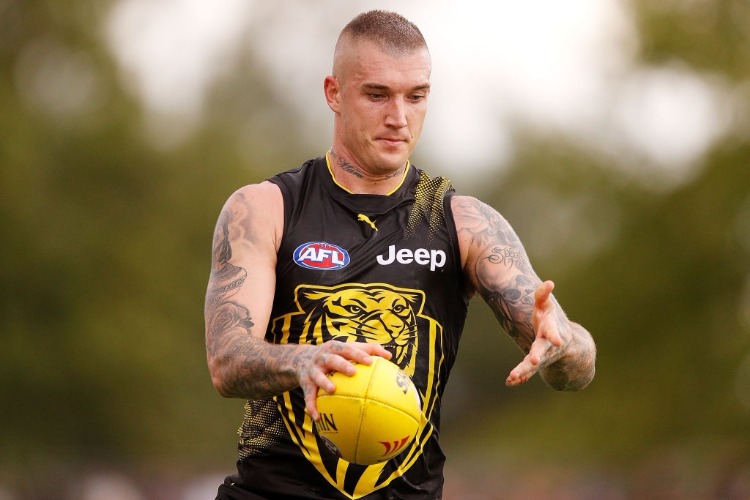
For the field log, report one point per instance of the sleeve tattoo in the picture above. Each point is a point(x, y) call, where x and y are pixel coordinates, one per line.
point(249, 367)
point(510, 295)
point(223, 314)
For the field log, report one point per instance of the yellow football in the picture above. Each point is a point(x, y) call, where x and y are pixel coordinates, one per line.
point(372, 416)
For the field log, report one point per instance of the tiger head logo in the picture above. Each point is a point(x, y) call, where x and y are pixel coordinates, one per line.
point(364, 313)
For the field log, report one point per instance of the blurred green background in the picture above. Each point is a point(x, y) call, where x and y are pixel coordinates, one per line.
point(107, 207)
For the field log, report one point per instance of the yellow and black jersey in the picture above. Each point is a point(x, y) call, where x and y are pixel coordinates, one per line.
point(359, 268)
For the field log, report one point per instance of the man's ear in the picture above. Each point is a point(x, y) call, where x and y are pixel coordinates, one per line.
point(333, 92)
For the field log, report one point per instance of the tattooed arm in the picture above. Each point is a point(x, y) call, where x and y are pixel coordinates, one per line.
point(238, 307)
point(498, 268)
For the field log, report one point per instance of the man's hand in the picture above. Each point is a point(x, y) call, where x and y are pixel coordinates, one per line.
point(316, 362)
point(550, 341)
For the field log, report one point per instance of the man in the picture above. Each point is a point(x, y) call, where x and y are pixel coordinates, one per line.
point(357, 254)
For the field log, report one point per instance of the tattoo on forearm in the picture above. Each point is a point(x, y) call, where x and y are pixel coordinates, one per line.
point(253, 360)
point(222, 314)
point(503, 276)
point(227, 316)
point(512, 308)
point(502, 272)
point(252, 367)
point(509, 256)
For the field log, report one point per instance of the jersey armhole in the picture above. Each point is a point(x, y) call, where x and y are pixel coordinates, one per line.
point(286, 204)
point(450, 224)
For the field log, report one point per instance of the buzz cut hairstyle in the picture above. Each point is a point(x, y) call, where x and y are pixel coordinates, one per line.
point(389, 30)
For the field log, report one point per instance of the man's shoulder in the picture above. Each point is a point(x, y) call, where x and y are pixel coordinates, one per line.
point(260, 194)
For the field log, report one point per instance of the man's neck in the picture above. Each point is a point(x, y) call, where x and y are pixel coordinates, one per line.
point(356, 180)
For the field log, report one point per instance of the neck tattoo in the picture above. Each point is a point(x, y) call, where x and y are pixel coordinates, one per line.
point(352, 169)
point(397, 173)
point(346, 166)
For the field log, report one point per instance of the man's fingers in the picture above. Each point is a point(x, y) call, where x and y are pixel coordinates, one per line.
point(345, 360)
point(336, 357)
point(372, 349)
point(542, 293)
point(323, 381)
point(539, 351)
point(544, 349)
point(524, 370)
point(544, 319)
point(340, 364)
point(521, 373)
point(554, 337)
point(549, 332)
point(360, 352)
point(531, 363)
point(311, 397)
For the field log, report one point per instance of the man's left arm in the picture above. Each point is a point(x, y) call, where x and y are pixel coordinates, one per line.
point(497, 267)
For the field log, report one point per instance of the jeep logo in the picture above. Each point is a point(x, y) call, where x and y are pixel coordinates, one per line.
point(421, 256)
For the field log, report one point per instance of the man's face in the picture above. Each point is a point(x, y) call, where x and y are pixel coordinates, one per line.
point(380, 101)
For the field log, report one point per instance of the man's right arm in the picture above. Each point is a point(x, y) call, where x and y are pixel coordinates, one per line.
point(238, 305)
point(240, 294)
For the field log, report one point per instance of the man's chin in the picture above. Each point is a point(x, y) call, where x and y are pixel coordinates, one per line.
point(392, 160)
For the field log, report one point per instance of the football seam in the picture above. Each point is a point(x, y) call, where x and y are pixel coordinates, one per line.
point(369, 399)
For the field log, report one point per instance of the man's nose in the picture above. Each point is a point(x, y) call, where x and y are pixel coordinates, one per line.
point(396, 116)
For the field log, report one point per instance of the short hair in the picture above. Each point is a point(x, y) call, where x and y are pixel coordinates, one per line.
point(389, 30)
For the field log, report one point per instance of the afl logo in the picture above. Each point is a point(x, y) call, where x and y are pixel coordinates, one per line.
point(321, 255)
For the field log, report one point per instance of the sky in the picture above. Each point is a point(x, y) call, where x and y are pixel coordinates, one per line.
point(566, 68)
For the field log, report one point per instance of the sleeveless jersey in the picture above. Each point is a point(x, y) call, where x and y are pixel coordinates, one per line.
point(359, 268)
